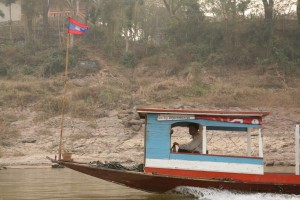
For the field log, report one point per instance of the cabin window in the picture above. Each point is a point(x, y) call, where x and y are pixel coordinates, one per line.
point(233, 143)
point(218, 142)
point(186, 138)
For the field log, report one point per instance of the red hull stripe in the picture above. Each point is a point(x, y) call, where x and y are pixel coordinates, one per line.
point(266, 178)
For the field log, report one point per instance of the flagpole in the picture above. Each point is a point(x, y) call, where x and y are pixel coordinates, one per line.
point(64, 97)
point(74, 27)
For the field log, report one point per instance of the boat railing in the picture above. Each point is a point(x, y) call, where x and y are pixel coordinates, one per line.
point(216, 155)
point(297, 149)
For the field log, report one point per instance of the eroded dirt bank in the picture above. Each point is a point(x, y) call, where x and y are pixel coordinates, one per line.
point(119, 137)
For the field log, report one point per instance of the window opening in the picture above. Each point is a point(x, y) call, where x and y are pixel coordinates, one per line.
point(186, 138)
point(231, 143)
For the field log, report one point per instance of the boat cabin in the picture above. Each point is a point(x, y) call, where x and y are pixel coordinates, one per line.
point(165, 169)
point(159, 157)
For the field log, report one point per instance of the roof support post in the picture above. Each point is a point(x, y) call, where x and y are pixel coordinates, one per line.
point(248, 142)
point(260, 143)
point(204, 140)
point(145, 136)
point(297, 149)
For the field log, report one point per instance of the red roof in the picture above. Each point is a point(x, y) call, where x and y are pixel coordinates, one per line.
point(143, 111)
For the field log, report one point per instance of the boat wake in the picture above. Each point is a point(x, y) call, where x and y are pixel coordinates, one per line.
point(215, 194)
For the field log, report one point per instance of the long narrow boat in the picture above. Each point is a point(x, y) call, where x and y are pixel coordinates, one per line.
point(164, 169)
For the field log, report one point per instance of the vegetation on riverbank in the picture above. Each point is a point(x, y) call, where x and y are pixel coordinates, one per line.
point(187, 58)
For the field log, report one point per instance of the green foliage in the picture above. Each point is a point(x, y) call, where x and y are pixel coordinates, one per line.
point(152, 50)
point(168, 66)
point(195, 90)
point(129, 60)
point(96, 36)
point(57, 60)
point(8, 2)
point(28, 70)
point(1, 14)
point(177, 33)
point(93, 97)
point(186, 53)
point(55, 63)
point(228, 39)
point(107, 96)
point(243, 6)
point(282, 56)
point(94, 14)
point(3, 69)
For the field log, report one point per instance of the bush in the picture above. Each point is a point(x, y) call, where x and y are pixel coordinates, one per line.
point(55, 63)
point(186, 53)
point(129, 60)
point(57, 60)
point(28, 70)
point(52, 105)
point(110, 98)
point(3, 70)
point(169, 66)
point(195, 90)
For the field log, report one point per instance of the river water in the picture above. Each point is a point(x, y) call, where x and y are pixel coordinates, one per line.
point(48, 183)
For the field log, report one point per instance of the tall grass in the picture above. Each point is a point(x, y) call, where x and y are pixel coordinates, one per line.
point(7, 131)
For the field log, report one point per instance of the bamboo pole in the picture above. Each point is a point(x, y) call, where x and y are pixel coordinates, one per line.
point(64, 97)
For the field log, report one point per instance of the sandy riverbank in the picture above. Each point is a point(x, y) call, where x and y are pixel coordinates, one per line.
point(120, 137)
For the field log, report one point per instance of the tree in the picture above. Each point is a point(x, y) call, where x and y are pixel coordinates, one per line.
point(45, 17)
point(226, 11)
point(8, 3)
point(172, 6)
point(30, 9)
point(152, 20)
point(298, 11)
point(1, 14)
point(118, 20)
point(268, 9)
point(268, 29)
point(130, 24)
point(243, 6)
point(222, 9)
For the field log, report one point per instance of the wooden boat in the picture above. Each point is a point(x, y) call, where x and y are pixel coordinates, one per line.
point(165, 170)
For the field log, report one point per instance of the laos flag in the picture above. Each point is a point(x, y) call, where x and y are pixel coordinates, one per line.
point(75, 27)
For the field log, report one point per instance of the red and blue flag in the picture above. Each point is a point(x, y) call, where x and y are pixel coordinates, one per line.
point(75, 27)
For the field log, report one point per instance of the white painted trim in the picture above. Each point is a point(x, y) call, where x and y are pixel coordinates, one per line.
point(260, 144)
point(164, 117)
point(248, 142)
point(205, 166)
point(204, 140)
point(297, 149)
